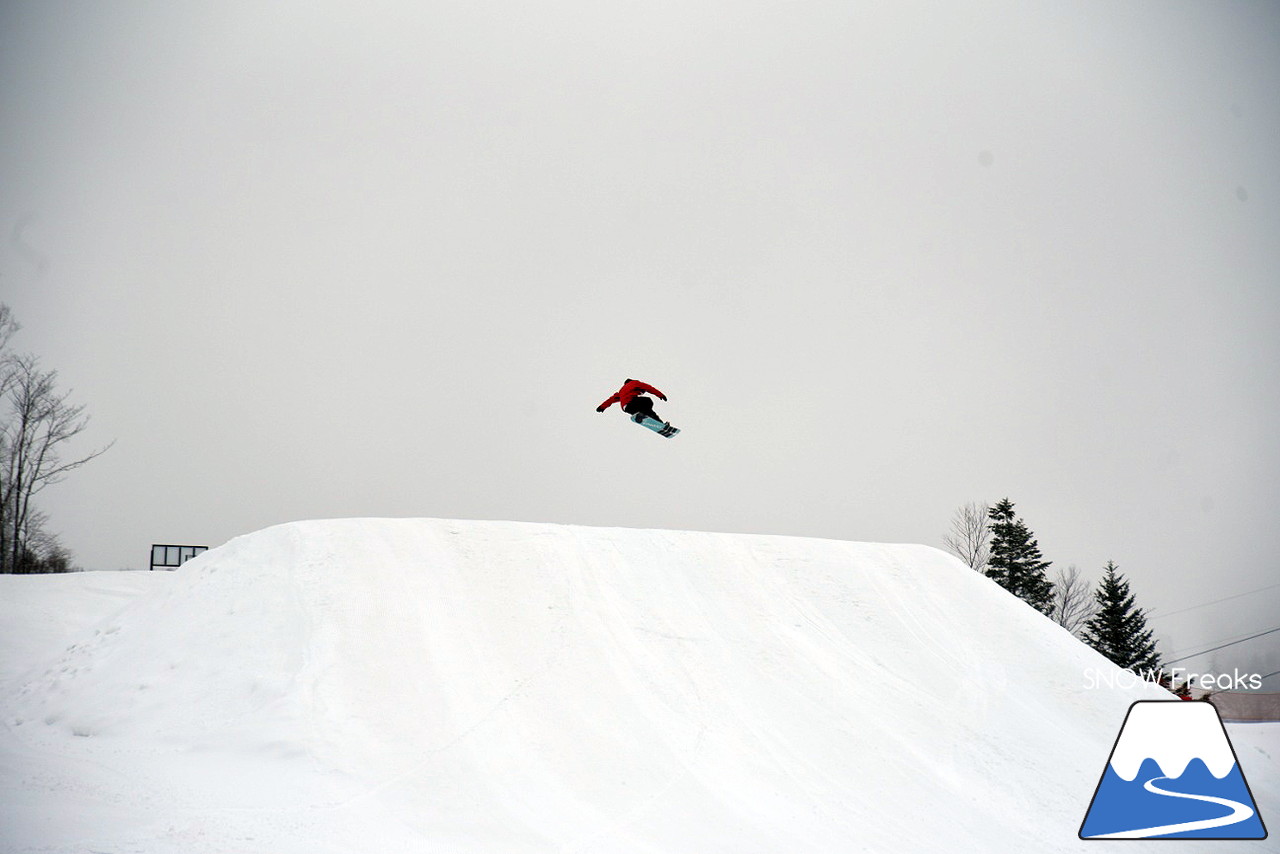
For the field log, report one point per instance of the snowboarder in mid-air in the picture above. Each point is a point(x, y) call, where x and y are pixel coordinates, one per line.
point(639, 407)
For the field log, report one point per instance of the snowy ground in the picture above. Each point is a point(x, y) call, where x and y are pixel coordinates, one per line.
point(436, 686)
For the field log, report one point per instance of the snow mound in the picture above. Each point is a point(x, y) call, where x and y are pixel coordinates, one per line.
point(431, 685)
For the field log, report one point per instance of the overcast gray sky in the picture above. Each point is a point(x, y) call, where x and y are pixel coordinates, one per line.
point(360, 259)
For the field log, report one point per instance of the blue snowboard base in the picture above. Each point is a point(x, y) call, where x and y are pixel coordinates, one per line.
point(662, 428)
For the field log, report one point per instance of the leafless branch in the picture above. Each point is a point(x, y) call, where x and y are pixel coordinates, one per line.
point(36, 424)
point(1073, 600)
point(970, 537)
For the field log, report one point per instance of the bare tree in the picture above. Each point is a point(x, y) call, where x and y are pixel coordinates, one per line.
point(8, 326)
point(36, 423)
point(1073, 600)
point(42, 551)
point(970, 537)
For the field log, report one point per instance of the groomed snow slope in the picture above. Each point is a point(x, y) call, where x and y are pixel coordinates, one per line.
point(440, 686)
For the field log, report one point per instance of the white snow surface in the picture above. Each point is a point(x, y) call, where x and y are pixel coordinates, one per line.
point(449, 686)
point(1172, 734)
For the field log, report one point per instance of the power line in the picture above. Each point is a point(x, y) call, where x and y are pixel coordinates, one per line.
point(1224, 646)
point(1177, 650)
point(1269, 675)
point(1156, 611)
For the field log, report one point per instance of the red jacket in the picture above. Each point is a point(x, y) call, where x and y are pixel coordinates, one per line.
point(628, 393)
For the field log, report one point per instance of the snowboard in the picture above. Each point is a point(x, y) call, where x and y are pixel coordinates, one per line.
point(662, 428)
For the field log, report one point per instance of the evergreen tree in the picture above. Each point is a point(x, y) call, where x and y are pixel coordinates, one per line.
point(1015, 562)
point(1119, 630)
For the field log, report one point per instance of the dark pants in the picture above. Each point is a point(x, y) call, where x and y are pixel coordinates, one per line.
point(641, 404)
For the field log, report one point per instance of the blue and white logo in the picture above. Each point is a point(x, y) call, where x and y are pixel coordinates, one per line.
point(1172, 775)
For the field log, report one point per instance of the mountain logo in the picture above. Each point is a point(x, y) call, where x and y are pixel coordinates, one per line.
point(1172, 774)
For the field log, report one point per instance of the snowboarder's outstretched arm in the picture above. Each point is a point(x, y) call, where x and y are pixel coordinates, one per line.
point(650, 389)
point(628, 392)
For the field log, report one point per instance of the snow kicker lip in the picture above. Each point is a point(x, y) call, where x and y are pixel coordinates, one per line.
point(1172, 774)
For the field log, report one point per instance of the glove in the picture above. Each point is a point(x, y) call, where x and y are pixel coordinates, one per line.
point(599, 409)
